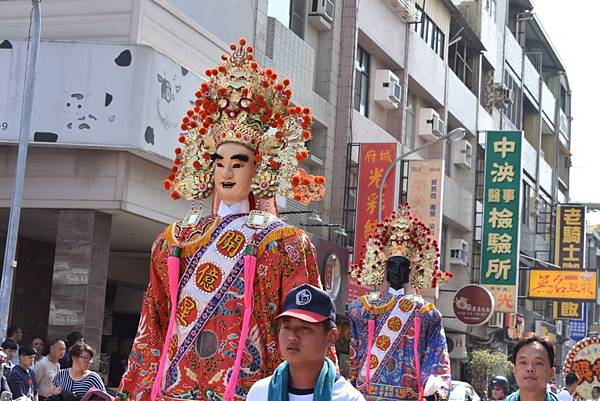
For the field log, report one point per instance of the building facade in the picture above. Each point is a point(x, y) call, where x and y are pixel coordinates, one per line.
point(477, 65)
point(115, 77)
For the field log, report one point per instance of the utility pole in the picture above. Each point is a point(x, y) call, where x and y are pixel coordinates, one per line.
point(10, 263)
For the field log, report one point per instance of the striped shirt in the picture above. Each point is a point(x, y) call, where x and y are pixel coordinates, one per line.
point(80, 387)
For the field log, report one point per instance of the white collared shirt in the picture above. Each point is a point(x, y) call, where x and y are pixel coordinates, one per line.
point(237, 208)
point(399, 292)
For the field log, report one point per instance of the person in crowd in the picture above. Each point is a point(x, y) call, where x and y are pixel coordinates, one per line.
point(21, 378)
point(533, 368)
point(47, 368)
point(596, 393)
point(78, 379)
point(10, 347)
point(306, 331)
point(3, 382)
point(570, 390)
point(38, 346)
point(553, 387)
point(118, 362)
point(73, 338)
point(15, 333)
point(499, 387)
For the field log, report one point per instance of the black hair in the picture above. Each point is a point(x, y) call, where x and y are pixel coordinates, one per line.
point(73, 337)
point(26, 349)
point(531, 338)
point(596, 388)
point(9, 344)
point(571, 379)
point(12, 330)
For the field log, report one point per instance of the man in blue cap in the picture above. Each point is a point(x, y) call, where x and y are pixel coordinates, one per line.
point(306, 331)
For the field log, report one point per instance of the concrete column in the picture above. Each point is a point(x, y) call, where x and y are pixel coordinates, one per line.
point(80, 274)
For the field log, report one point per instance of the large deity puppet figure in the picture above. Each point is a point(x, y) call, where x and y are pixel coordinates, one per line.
point(398, 347)
point(206, 330)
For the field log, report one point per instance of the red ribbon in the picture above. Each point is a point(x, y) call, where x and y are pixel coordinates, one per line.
point(173, 263)
point(249, 269)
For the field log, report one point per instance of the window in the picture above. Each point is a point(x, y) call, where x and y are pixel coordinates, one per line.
point(513, 110)
point(439, 42)
point(430, 32)
point(490, 8)
point(361, 81)
point(297, 17)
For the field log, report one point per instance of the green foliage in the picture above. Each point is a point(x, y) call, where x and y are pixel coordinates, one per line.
point(484, 365)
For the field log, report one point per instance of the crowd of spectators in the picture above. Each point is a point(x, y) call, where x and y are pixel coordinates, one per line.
point(63, 374)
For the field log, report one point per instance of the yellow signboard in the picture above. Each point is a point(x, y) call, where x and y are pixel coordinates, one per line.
point(563, 284)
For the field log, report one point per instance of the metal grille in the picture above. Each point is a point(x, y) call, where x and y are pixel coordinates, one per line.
point(350, 191)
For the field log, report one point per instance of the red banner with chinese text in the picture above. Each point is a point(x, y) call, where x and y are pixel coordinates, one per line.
point(374, 159)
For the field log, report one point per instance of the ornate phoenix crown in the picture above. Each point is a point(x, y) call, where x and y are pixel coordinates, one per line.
point(243, 103)
point(401, 234)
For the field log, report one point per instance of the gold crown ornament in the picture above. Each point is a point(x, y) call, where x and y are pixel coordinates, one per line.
point(401, 234)
point(243, 103)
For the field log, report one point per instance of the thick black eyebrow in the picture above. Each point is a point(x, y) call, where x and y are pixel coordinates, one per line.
point(241, 157)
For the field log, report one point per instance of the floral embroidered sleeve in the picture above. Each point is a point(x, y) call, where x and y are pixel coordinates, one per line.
point(145, 354)
point(355, 330)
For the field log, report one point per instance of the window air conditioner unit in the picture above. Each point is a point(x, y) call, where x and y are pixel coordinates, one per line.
point(405, 9)
point(320, 15)
point(387, 89)
point(459, 249)
point(431, 126)
point(496, 320)
point(462, 153)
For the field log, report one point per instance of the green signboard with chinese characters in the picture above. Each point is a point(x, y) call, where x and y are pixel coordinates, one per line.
point(501, 217)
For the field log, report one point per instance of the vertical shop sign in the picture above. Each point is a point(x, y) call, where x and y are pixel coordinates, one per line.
point(570, 252)
point(425, 190)
point(374, 160)
point(578, 327)
point(501, 217)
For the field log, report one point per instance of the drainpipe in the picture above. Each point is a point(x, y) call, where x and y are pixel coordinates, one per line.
point(405, 78)
point(503, 57)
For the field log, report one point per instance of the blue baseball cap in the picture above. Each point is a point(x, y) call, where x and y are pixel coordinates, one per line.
point(308, 303)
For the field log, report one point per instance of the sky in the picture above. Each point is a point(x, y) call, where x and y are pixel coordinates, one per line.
point(573, 30)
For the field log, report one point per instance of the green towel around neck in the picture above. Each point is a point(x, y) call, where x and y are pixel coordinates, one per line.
point(278, 387)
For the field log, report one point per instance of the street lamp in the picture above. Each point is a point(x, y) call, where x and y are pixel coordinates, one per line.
point(454, 135)
point(340, 231)
point(314, 217)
